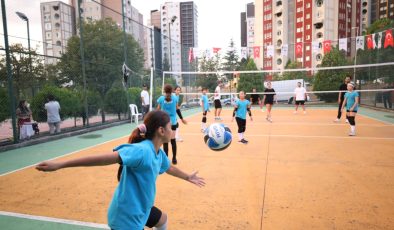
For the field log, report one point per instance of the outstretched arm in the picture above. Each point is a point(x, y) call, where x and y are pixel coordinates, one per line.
point(97, 160)
point(192, 178)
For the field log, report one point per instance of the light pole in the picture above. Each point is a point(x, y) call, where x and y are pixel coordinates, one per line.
point(26, 19)
point(355, 56)
point(169, 35)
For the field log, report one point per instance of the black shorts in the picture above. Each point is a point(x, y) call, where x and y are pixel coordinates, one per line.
point(299, 102)
point(351, 111)
point(218, 104)
point(174, 127)
point(269, 102)
point(154, 217)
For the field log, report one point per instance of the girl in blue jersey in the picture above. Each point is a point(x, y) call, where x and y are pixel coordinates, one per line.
point(241, 107)
point(177, 92)
point(351, 101)
point(169, 104)
point(142, 160)
point(205, 109)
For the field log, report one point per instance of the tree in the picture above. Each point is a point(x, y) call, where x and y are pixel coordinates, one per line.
point(231, 60)
point(251, 80)
point(4, 105)
point(103, 46)
point(326, 80)
point(24, 79)
point(208, 64)
point(116, 101)
point(380, 25)
point(293, 75)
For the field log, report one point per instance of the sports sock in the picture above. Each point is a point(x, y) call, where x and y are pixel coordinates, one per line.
point(173, 145)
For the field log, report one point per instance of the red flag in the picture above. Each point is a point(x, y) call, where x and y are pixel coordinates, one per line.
point(191, 56)
point(256, 51)
point(216, 50)
point(327, 46)
point(388, 41)
point(369, 42)
point(298, 50)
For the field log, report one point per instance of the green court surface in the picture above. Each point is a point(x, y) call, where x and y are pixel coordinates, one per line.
point(21, 158)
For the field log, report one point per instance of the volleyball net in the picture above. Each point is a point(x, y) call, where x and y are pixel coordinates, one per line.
point(374, 82)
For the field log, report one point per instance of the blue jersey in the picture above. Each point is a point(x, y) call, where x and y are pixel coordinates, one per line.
point(169, 107)
point(351, 99)
point(136, 191)
point(242, 106)
point(205, 103)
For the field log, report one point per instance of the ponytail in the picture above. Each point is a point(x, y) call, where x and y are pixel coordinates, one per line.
point(146, 131)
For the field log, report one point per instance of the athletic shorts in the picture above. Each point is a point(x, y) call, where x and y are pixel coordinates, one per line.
point(352, 111)
point(174, 127)
point(218, 104)
point(299, 102)
point(154, 217)
point(269, 102)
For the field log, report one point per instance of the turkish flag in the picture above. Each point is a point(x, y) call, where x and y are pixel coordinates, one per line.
point(216, 50)
point(369, 42)
point(298, 49)
point(256, 51)
point(388, 41)
point(191, 56)
point(327, 46)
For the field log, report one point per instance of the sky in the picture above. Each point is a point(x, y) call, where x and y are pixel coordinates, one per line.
point(218, 21)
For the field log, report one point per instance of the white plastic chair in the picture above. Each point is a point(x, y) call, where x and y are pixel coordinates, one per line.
point(134, 113)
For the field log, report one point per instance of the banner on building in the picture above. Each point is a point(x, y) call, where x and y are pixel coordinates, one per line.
point(270, 51)
point(256, 51)
point(244, 52)
point(298, 49)
point(327, 46)
point(285, 50)
point(315, 47)
point(216, 50)
point(191, 55)
point(196, 52)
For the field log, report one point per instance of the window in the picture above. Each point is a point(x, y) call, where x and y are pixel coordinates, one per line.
point(48, 26)
point(279, 61)
point(308, 37)
point(308, 27)
point(319, 3)
point(49, 45)
point(308, 16)
point(48, 35)
point(308, 5)
point(308, 58)
point(318, 57)
point(307, 48)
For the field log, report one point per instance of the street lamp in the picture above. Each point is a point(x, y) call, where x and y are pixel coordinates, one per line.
point(169, 35)
point(355, 55)
point(26, 19)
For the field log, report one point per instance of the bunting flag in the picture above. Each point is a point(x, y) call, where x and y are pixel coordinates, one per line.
point(256, 51)
point(315, 47)
point(388, 40)
point(379, 39)
point(191, 56)
point(327, 46)
point(196, 53)
point(244, 52)
point(285, 50)
point(270, 51)
point(343, 44)
point(369, 42)
point(208, 53)
point(298, 49)
point(360, 42)
point(216, 50)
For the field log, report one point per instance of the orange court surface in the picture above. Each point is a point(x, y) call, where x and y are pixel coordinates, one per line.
point(299, 172)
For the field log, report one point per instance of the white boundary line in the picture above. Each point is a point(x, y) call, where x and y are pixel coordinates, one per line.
point(303, 136)
point(79, 150)
point(55, 220)
point(300, 123)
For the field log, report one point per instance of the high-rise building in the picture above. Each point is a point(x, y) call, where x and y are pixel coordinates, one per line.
point(153, 41)
point(247, 27)
point(92, 10)
point(58, 25)
point(179, 33)
point(302, 23)
point(381, 9)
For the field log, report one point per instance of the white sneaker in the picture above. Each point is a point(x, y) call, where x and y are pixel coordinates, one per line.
point(352, 134)
point(336, 120)
point(179, 139)
point(202, 130)
point(347, 121)
point(270, 120)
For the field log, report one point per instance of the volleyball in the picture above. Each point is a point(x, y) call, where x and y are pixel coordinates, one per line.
point(218, 137)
